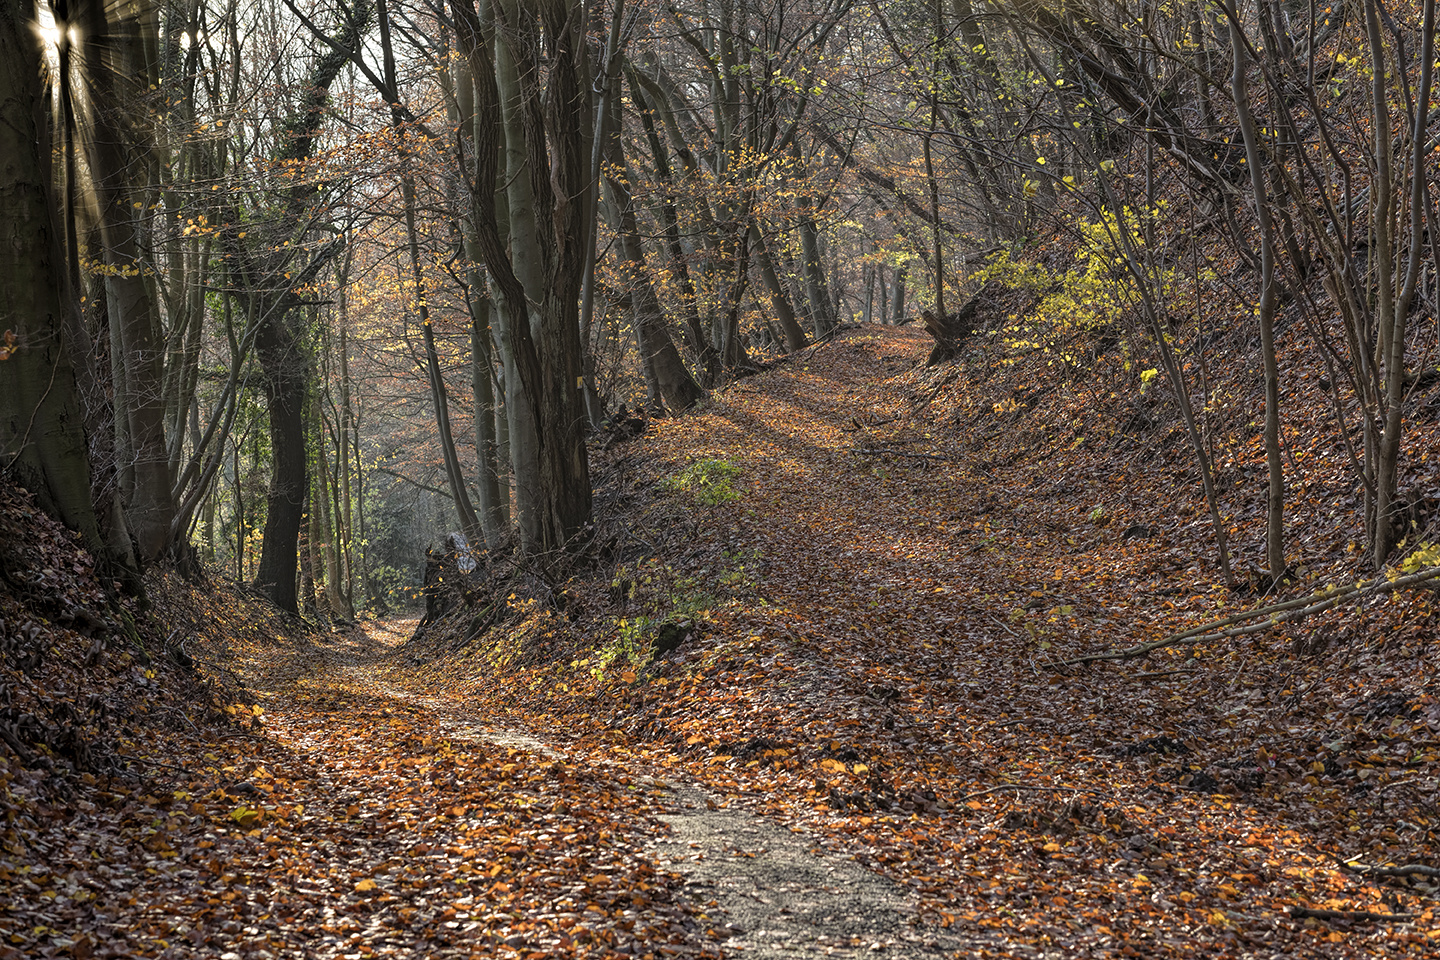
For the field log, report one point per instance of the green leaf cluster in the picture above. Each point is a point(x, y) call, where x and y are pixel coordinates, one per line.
point(710, 482)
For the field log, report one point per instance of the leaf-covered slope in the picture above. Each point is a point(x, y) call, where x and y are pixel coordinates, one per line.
point(871, 633)
point(242, 790)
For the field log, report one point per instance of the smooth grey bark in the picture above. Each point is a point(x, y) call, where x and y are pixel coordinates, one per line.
point(604, 106)
point(868, 280)
point(348, 488)
point(525, 259)
point(532, 103)
point(324, 526)
point(487, 411)
point(119, 149)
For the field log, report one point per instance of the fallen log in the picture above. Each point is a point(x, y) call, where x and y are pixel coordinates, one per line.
point(1301, 913)
point(1408, 870)
point(1263, 618)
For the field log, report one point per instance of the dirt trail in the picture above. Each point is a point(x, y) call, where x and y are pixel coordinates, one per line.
point(875, 674)
point(784, 897)
point(925, 554)
point(863, 752)
point(765, 891)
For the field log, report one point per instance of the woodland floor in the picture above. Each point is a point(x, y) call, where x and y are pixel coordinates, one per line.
point(863, 744)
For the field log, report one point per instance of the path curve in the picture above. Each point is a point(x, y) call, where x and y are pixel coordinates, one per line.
point(778, 896)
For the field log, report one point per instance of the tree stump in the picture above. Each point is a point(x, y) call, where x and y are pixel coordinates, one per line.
point(951, 330)
point(447, 576)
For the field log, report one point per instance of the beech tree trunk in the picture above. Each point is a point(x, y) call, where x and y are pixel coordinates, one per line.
point(678, 390)
point(119, 160)
point(700, 344)
point(487, 410)
point(532, 108)
point(42, 437)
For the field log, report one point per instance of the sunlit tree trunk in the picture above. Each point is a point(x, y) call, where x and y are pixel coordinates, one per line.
point(42, 437)
point(1394, 302)
point(119, 152)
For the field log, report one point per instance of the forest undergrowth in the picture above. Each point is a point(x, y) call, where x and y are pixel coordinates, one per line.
point(839, 596)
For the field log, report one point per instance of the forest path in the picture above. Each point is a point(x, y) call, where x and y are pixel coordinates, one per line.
point(731, 880)
point(907, 557)
point(864, 750)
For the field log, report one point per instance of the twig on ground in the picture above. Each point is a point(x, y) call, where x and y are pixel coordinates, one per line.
point(1300, 913)
point(153, 763)
point(26, 757)
point(1025, 787)
point(1409, 870)
point(881, 451)
point(1238, 625)
point(1001, 624)
point(1157, 674)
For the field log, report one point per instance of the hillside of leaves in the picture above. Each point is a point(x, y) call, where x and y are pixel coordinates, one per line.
point(842, 593)
point(839, 596)
point(206, 778)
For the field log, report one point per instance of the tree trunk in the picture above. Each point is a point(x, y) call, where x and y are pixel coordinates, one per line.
point(700, 345)
point(795, 338)
point(284, 361)
point(486, 410)
point(42, 438)
point(118, 158)
point(1394, 304)
point(1269, 301)
point(487, 413)
point(543, 125)
point(325, 487)
point(678, 390)
point(285, 377)
point(817, 290)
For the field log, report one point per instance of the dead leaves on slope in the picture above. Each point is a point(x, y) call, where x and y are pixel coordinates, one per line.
point(886, 685)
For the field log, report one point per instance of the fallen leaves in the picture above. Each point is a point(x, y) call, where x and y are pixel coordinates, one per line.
point(1100, 810)
point(871, 671)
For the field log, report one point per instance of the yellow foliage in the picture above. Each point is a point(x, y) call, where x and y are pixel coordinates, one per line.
point(1095, 291)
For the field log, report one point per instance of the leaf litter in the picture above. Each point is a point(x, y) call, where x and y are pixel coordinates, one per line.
point(861, 660)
